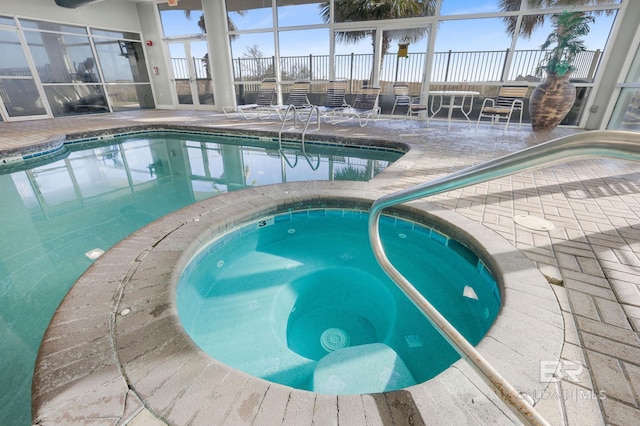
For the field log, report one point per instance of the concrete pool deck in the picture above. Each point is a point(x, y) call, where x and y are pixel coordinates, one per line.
point(591, 255)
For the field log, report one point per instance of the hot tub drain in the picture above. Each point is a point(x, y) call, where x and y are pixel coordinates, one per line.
point(334, 338)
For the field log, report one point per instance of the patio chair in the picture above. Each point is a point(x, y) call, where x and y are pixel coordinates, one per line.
point(297, 97)
point(401, 92)
point(335, 99)
point(404, 99)
point(510, 99)
point(365, 106)
point(264, 101)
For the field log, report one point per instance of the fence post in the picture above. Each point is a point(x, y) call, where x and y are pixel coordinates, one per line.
point(446, 71)
point(397, 66)
point(504, 65)
point(351, 73)
point(310, 67)
point(594, 64)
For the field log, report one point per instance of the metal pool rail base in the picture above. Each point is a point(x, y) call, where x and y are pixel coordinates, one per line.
point(115, 349)
point(615, 144)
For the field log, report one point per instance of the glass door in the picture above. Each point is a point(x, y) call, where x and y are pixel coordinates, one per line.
point(20, 96)
point(191, 74)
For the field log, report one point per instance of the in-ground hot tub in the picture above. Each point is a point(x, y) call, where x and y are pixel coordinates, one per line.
point(137, 353)
point(297, 298)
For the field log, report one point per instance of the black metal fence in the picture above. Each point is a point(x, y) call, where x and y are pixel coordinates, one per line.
point(468, 67)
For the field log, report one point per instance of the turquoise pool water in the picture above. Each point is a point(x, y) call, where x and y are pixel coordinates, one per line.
point(96, 193)
point(299, 299)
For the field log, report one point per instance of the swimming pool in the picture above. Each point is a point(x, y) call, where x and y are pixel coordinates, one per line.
point(287, 300)
point(95, 191)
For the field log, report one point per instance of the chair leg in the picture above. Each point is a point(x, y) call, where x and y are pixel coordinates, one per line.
point(520, 122)
point(506, 126)
point(478, 122)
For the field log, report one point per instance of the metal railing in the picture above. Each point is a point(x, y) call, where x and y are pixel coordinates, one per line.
point(294, 111)
point(615, 144)
point(450, 66)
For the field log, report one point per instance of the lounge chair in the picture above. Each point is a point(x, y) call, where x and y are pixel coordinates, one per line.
point(510, 99)
point(403, 98)
point(264, 102)
point(297, 97)
point(335, 99)
point(364, 107)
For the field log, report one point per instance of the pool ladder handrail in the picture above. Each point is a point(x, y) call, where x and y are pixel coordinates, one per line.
point(306, 157)
point(600, 143)
point(295, 122)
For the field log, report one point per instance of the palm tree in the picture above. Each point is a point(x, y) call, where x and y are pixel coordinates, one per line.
point(531, 22)
point(367, 10)
point(230, 24)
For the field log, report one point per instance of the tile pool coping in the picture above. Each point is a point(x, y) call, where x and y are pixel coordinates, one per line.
point(95, 363)
point(60, 144)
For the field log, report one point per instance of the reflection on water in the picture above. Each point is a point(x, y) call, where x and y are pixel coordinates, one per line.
point(54, 214)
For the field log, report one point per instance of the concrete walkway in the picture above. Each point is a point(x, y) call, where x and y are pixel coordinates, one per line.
point(591, 256)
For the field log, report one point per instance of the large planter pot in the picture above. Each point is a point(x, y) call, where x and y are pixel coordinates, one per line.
point(550, 102)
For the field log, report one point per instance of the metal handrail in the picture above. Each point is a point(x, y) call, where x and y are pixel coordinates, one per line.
point(284, 120)
point(306, 125)
point(295, 121)
point(603, 143)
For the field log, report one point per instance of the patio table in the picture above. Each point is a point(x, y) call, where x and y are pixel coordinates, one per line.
point(453, 95)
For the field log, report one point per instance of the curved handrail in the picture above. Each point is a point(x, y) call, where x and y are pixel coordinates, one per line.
point(603, 143)
point(283, 155)
point(306, 125)
point(284, 120)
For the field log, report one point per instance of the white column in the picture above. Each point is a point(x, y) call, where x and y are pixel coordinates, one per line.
point(215, 19)
point(156, 55)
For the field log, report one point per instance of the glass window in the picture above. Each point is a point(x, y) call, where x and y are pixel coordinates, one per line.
point(626, 115)
point(76, 99)
point(62, 58)
point(354, 57)
point(124, 97)
point(18, 90)
point(253, 56)
point(300, 12)
point(365, 10)
point(21, 97)
point(5, 20)
point(540, 4)
point(528, 57)
point(249, 14)
point(465, 7)
point(115, 34)
point(12, 58)
point(121, 60)
point(182, 21)
point(52, 26)
point(409, 68)
point(470, 50)
point(304, 55)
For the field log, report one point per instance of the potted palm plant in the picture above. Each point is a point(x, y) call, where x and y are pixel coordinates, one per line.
point(553, 98)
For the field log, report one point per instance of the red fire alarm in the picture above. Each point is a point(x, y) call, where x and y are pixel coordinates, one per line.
point(149, 43)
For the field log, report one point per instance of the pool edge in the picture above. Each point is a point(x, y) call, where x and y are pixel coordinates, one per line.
point(133, 270)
